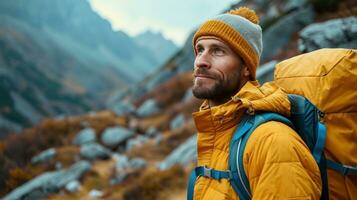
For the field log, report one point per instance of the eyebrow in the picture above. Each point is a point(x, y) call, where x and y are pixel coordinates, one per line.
point(212, 46)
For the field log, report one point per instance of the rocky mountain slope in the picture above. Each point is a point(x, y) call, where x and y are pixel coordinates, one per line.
point(145, 147)
point(61, 58)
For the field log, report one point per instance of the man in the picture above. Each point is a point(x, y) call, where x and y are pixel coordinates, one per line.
point(277, 163)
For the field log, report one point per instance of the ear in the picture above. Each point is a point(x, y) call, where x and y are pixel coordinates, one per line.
point(245, 71)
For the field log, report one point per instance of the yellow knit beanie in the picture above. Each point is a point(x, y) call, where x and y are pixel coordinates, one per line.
point(240, 30)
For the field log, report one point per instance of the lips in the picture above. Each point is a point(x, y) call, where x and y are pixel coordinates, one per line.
point(203, 76)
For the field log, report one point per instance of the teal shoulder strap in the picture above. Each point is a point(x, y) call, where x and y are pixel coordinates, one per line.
point(240, 181)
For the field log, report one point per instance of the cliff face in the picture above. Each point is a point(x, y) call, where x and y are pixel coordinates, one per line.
point(61, 58)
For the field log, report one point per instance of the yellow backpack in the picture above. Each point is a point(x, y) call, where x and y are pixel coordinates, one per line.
point(328, 78)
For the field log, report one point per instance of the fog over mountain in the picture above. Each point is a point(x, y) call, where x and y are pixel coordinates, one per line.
point(60, 57)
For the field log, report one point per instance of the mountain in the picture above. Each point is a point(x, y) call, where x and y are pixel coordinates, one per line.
point(159, 46)
point(153, 161)
point(59, 57)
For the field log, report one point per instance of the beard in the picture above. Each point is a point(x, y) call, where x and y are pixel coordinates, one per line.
point(222, 87)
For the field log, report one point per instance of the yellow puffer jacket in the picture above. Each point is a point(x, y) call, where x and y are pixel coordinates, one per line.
point(277, 162)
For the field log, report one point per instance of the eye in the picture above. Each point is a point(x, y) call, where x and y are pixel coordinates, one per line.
point(218, 51)
point(199, 49)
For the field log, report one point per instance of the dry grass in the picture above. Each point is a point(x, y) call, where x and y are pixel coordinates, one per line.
point(17, 150)
point(170, 91)
point(154, 184)
point(67, 155)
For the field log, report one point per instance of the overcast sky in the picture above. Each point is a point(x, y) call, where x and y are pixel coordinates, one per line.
point(174, 18)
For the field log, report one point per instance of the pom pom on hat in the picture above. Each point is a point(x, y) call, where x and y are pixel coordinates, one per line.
point(246, 13)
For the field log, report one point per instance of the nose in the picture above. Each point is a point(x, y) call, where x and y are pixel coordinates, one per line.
point(202, 60)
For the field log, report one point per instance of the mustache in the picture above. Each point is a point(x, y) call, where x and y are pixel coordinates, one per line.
point(203, 72)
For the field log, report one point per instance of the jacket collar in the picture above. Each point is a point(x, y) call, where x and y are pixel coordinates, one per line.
point(250, 98)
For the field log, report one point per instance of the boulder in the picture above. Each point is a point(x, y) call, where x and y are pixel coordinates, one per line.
point(148, 108)
point(137, 163)
point(135, 142)
point(49, 182)
point(124, 167)
point(122, 162)
point(183, 155)
point(93, 151)
point(336, 33)
point(44, 156)
point(158, 139)
point(152, 132)
point(123, 108)
point(177, 122)
point(94, 194)
point(84, 136)
point(278, 35)
point(73, 186)
point(113, 137)
point(293, 4)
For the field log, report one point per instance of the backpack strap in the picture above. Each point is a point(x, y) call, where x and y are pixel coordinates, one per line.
point(244, 126)
point(343, 169)
point(318, 150)
point(240, 181)
point(206, 172)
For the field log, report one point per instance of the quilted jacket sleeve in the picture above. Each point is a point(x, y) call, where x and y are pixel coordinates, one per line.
point(279, 165)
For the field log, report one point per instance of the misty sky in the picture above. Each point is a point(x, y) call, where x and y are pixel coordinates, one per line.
point(174, 18)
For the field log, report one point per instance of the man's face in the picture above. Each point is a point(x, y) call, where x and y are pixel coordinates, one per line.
point(217, 70)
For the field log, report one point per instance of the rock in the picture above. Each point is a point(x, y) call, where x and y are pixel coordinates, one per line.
point(265, 73)
point(122, 166)
point(177, 122)
point(73, 186)
point(86, 135)
point(123, 108)
point(113, 137)
point(94, 151)
point(148, 108)
point(279, 34)
point(135, 142)
point(183, 155)
point(122, 162)
point(118, 178)
point(152, 132)
point(293, 4)
point(58, 165)
point(44, 156)
point(49, 182)
point(158, 139)
point(94, 194)
point(137, 163)
point(336, 33)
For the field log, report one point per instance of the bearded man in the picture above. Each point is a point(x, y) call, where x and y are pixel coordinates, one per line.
point(277, 163)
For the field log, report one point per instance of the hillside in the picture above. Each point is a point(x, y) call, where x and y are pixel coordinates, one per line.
point(61, 58)
point(143, 145)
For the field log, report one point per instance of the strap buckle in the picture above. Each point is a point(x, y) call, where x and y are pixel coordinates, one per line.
point(207, 172)
point(349, 170)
